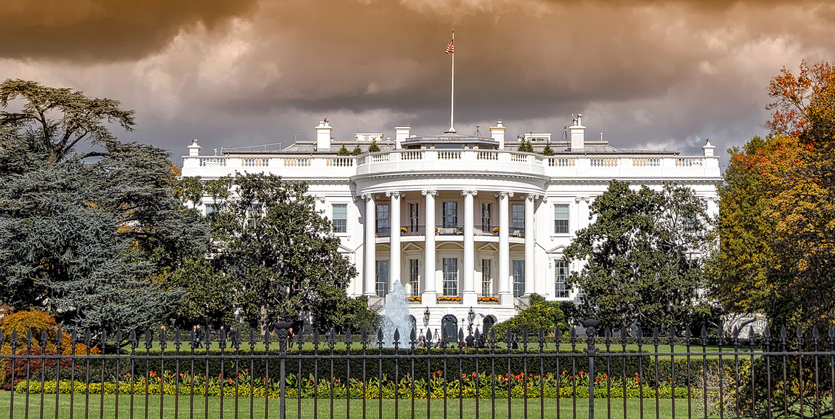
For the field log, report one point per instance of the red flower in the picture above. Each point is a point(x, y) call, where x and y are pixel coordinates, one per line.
point(474, 375)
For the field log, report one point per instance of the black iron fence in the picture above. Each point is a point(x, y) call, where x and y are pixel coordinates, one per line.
point(516, 374)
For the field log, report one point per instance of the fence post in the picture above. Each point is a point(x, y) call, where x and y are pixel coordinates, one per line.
point(591, 332)
point(282, 333)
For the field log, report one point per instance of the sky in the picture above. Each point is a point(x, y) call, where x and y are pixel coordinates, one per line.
point(648, 74)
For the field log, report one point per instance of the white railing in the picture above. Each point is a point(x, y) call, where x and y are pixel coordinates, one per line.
point(561, 161)
point(688, 161)
point(487, 155)
point(297, 162)
point(213, 162)
point(646, 162)
point(340, 162)
point(449, 155)
point(468, 159)
point(411, 155)
point(603, 162)
point(256, 162)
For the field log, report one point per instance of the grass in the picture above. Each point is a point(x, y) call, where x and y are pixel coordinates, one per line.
point(165, 408)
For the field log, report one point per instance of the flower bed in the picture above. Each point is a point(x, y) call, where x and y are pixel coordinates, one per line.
point(448, 299)
point(469, 385)
point(488, 299)
point(415, 299)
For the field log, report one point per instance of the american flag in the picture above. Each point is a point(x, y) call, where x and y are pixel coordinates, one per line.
point(449, 48)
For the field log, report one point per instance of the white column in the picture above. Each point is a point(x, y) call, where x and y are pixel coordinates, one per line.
point(370, 246)
point(468, 295)
point(394, 259)
point(505, 296)
point(428, 296)
point(529, 241)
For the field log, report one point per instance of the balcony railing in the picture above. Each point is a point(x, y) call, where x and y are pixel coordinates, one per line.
point(456, 161)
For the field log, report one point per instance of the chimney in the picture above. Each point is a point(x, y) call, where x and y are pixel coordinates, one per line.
point(323, 136)
point(708, 148)
point(577, 134)
point(497, 133)
point(400, 134)
point(194, 149)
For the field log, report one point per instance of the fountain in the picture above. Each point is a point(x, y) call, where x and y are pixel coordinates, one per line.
point(396, 317)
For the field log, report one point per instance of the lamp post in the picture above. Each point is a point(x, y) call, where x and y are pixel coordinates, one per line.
point(426, 317)
point(470, 317)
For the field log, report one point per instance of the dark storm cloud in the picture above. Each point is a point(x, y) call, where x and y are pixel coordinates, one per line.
point(650, 73)
point(104, 30)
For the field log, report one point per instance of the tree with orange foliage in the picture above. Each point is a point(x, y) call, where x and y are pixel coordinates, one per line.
point(793, 96)
point(776, 254)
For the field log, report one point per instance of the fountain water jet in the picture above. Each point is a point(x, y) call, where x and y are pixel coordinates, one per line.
point(396, 317)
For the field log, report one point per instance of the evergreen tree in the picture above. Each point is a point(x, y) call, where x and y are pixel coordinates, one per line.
point(91, 242)
point(343, 151)
point(525, 146)
point(357, 150)
point(273, 253)
point(548, 151)
point(640, 256)
point(373, 148)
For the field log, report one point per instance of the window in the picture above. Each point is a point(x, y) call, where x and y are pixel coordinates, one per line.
point(486, 214)
point(486, 277)
point(517, 220)
point(340, 218)
point(561, 218)
point(450, 277)
point(211, 209)
point(383, 219)
point(382, 278)
point(518, 278)
point(414, 277)
point(253, 214)
point(691, 225)
point(450, 214)
point(560, 273)
point(414, 217)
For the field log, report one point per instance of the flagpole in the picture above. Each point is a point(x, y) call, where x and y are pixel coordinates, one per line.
point(452, 91)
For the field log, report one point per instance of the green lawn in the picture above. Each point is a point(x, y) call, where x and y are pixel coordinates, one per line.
point(517, 408)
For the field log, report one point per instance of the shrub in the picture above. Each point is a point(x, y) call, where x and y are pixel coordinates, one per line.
point(22, 321)
point(33, 365)
point(373, 148)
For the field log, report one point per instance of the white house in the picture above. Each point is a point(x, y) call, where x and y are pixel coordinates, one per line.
point(468, 225)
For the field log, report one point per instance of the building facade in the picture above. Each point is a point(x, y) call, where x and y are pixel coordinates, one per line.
point(469, 226)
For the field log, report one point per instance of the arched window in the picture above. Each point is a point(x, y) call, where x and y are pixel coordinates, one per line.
point(449, 324)
point(489, 321)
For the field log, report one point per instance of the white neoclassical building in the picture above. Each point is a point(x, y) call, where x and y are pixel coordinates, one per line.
point(468, 225)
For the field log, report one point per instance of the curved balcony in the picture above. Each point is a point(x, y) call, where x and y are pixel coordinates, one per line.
point(453, 161)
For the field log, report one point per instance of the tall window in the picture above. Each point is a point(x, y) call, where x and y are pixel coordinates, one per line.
point(340, 218)
point(383, 219)
point(517, 220)
point(450, 214)
point(414, 277)
point(414, 217)
point(487, 277)
point(450, 276)
point(561, 218)
point(560, 273)
point(486, 215)
point(518, 278)
point(382, 278)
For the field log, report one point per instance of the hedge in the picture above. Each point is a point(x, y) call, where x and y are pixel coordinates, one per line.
point(306, 363)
